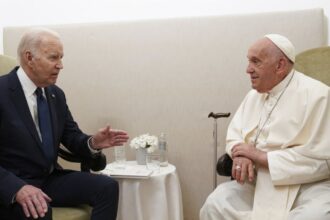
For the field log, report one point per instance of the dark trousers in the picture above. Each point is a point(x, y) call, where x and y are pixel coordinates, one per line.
point(71, 188)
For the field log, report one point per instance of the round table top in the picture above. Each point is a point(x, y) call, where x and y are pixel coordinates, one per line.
point(130, 169)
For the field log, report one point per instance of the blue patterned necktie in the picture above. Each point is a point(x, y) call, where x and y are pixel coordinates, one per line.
point(45, 125)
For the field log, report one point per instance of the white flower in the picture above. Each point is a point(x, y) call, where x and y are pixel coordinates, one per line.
point(145, 141)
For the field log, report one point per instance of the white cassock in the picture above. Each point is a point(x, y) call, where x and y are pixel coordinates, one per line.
point(297, 138)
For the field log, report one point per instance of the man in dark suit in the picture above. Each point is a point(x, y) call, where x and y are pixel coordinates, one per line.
point(34, 121)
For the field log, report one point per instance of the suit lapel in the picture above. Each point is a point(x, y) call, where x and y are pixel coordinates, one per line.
point(19, 100)
point(51, 99)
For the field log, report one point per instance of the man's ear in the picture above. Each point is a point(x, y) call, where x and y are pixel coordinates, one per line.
point(28, 57)
point(281, 64)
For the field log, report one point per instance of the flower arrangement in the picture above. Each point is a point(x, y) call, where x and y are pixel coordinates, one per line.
point(147, 141)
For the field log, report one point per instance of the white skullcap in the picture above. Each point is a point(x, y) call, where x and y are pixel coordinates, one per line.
point(284, 44)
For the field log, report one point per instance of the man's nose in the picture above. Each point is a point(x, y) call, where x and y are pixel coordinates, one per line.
point(249, 69)
point(59, 65)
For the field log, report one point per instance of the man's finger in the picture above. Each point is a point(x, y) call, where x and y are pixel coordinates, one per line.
point(233, 171)
point(38, 204)
point(243, 173)
point(26, 210)
point(32, 209)
point(251, 172)
point(48, 199)
point(43, 202)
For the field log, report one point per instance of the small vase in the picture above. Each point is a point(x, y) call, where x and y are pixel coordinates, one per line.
point(141, 156)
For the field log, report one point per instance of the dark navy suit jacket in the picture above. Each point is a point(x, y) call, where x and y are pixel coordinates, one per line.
point(22, 160)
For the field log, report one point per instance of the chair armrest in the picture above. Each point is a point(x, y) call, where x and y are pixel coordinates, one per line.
point(67, 155)
point(96, 162)
point(224, 165)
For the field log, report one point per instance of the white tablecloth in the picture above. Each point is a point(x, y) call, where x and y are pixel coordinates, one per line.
point(156, 198)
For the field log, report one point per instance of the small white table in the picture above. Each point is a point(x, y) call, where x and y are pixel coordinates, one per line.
point(155, 198)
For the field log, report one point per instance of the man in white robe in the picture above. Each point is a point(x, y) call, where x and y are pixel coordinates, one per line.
point(279, 140)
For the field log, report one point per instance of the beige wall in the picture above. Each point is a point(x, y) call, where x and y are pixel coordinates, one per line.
point(167, 75)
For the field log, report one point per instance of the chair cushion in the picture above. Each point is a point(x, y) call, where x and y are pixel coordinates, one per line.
point(82, 212)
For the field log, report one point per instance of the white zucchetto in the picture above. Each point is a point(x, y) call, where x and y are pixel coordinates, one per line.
point(284, 44)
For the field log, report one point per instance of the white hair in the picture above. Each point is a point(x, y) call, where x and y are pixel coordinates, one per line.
point(32, 39)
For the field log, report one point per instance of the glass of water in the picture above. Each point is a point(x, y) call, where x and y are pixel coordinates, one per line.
point(153, 162)
point(120, 157)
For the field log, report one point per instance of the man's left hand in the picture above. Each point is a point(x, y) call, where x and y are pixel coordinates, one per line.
point(250, 151)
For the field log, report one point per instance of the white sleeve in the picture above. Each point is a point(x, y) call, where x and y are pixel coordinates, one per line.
point(234, 132)
point(288, 167)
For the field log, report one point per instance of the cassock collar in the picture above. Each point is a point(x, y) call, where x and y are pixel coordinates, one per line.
point(281, 86)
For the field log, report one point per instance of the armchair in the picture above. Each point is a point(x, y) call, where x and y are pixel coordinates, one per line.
point(314, 63)
point(86, 164)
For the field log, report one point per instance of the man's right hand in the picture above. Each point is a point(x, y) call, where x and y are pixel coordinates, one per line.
point(33, 201)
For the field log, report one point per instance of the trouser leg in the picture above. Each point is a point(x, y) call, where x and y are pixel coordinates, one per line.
point(229, 201)
point(74, 188)
point(312, 202)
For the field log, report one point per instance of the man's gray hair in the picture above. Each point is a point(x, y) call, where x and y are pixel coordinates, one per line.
point(31, 40)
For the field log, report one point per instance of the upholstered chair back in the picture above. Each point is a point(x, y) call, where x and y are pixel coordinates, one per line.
point(7, 63)
point(315, 63)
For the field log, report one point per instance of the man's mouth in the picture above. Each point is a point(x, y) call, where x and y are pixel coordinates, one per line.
point(54, 75)
point(254, 77)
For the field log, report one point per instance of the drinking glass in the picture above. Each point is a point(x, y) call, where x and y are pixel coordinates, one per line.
point(153, 162)
point(120, 157)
